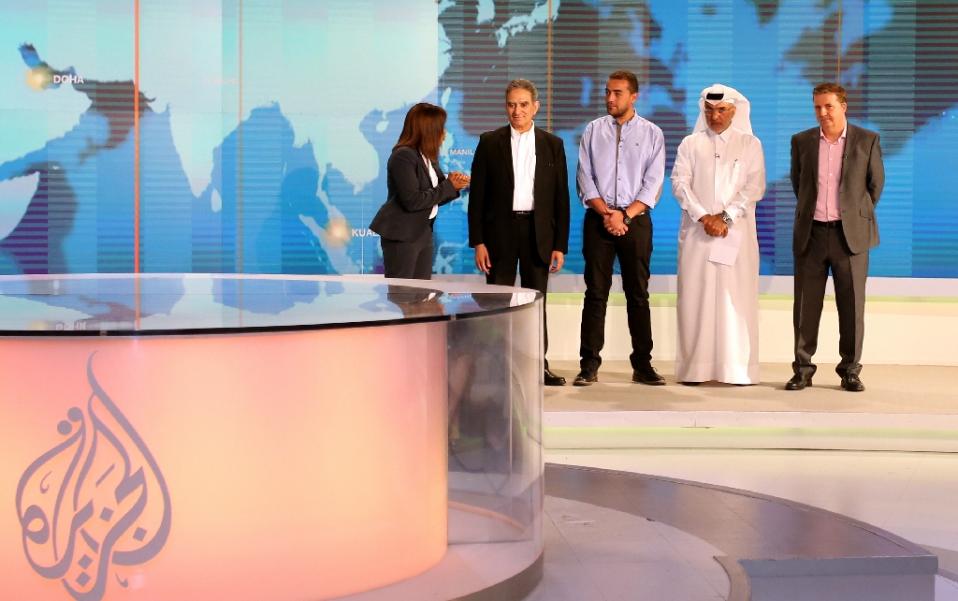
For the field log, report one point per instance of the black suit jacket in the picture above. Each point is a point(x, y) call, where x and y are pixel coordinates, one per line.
point(863, 177)
point(493, 181)
point(411, 196)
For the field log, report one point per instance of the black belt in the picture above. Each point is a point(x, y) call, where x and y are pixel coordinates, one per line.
point(829, 224)
point(522, 213)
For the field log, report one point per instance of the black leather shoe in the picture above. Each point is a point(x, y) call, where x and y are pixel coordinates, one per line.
point(689, 383)
point(852, 383)
point(798, 382)
point(552, 379)
point(647, 375)
point(586, 378)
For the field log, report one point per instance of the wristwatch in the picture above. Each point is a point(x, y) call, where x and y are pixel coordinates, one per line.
point(625, 217)
point(726, 218)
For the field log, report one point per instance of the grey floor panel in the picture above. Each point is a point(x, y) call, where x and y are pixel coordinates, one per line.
point(601, 554)
point(790, 551)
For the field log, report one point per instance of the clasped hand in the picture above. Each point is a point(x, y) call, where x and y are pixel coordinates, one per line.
point(714, 225)
point(459, 180)
point(614, 223)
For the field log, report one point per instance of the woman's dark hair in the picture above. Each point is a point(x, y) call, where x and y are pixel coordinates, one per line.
point(423, 128)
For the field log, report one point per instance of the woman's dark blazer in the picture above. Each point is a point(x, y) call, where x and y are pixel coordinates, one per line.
point(411, 196)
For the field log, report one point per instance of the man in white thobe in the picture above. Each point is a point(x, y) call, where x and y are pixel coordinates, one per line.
point(719, 175)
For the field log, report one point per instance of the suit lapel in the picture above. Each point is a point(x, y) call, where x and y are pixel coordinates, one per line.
point(542, 152)
point(849, 141)
point(422, 171)
point(505, 146)
point(439, 174)
point(814, 146)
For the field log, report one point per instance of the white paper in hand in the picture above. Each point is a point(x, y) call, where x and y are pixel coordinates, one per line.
point(724, 251)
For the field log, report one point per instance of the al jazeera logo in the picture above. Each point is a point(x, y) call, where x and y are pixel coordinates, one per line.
point(96, 503)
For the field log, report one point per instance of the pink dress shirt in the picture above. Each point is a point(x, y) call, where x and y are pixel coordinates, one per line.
point(829, 177)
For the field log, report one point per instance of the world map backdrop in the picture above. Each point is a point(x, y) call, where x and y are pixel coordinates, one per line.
point(252, 135)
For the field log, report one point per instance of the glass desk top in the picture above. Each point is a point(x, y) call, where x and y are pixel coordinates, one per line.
point(125, 304)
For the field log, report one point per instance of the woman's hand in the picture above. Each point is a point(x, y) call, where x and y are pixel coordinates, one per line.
point(459, 180)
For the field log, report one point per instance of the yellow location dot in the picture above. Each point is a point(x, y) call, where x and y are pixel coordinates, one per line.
point(337, 232)
point(39, 78)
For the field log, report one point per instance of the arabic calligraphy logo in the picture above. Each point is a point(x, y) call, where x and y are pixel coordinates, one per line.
point(93, 501)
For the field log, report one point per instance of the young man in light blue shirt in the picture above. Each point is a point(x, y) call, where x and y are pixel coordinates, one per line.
point(620, 176)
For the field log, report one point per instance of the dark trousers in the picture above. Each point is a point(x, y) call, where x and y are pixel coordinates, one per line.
point(410, 260)
point(827, 250)
point(518, 247)
point(600, 249)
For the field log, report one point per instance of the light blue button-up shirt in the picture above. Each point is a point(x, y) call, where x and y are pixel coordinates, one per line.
point(635, 172)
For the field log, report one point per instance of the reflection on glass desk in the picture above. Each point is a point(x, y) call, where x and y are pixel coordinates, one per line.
point(104, 304)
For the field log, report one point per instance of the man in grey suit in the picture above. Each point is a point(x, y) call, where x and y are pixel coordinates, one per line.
point(837, 175)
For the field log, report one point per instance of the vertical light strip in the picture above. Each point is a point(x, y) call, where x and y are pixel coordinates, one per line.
point(549, 67)
point(136, 163)
point(239, 168)
point(239, 143)
point(838, 44)
point(646, 42)
point(136, 136)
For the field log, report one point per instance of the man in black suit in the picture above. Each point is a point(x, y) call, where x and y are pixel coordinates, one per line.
point(519, 201)
point(837, 175)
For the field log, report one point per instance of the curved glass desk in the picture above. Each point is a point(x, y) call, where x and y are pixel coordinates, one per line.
point(272, 438)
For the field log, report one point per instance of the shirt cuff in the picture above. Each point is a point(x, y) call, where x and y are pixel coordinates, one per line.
point(696, 212)
point(649, 202)
point(588, 194)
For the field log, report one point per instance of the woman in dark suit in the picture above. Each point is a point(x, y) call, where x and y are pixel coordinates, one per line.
point(416, 188)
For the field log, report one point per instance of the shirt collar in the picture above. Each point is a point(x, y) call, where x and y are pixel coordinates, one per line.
point(821, 134)
point(632, 121)
point(515, 133)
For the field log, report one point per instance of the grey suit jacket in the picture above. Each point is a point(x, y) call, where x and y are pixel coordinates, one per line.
point(863, 177)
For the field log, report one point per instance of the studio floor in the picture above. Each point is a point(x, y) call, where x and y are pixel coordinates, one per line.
point(884, 457)
point(890, 389)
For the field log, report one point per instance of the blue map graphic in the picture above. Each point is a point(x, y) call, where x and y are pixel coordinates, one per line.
point(271, 207)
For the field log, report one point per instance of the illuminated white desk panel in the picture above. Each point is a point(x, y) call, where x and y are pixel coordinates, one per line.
point(214, 437)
